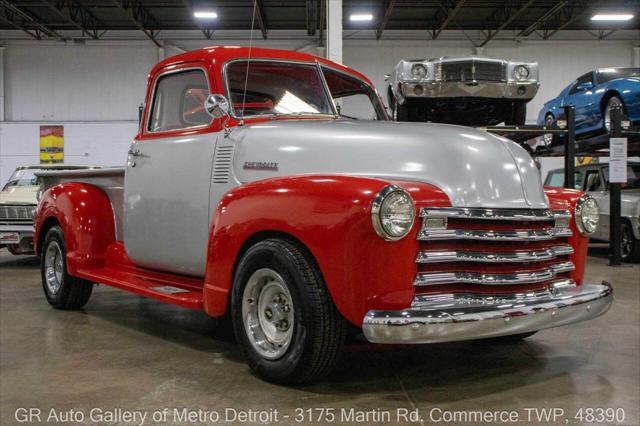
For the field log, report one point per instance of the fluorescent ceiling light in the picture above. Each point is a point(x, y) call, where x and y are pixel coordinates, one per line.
point(612, 17)
point(205, 14)
point(361, 17)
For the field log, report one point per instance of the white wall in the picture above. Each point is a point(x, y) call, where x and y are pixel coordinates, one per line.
point(94, 89)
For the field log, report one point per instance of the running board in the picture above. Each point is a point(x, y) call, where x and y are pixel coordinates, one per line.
point(174, 289)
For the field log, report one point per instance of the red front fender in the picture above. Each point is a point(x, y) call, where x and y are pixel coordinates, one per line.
point(331, 217)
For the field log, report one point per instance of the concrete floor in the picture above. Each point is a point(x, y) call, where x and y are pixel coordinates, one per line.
point(126, 352)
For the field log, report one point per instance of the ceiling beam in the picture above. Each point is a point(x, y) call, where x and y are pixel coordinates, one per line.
point(74, 13)
point(312, 17)
point(543, 19)
point(575, 10)
point(141, 18)
point(261, 17)
point(385, 18)
point(26, 22)
point(444, 15)
point(208, 32)
point(504, 16)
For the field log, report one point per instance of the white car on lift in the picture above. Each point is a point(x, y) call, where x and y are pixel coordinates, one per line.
point(18, 201)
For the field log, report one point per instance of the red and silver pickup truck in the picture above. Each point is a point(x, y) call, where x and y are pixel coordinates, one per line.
point(270, 187)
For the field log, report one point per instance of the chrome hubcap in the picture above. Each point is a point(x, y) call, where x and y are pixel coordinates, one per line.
point(268, 314)
point(53, 267)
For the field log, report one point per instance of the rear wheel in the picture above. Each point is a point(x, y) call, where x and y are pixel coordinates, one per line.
point(62, 290)
point(283, 317)
point(630, 245)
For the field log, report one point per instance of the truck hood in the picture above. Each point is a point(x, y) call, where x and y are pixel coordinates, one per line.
point(474, 168)
point(20, 195)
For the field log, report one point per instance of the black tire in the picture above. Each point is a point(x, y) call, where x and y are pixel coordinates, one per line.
point(630, 249)
point(518, 114)
point(318, 328)
point(71, 292)
point(613, 100)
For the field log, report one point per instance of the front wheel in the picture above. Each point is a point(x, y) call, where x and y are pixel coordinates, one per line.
point(613, 101)
point(630, 245)
point(62, 290)
point(283, 317)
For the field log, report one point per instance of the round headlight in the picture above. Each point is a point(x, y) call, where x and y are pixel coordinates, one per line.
point(587, 215)
point(521, 72)
point(392, 213)
point(418, 72)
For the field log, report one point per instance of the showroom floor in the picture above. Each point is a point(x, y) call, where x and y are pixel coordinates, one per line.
point(123, 351)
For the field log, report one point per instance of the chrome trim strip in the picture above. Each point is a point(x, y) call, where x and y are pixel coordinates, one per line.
point(437, 278)
point(458, 317)
point(464, 234)
point(490, 214)
point(438, 256)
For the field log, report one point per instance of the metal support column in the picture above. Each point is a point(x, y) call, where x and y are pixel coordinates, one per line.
point(615, 199)
point(334, 30)
point(570, 148)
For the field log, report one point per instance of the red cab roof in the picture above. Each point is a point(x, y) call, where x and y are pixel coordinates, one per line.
point(219, 55)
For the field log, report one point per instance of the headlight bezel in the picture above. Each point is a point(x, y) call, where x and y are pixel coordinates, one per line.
point(419, 66)
point(516, 74)
point(376, 210)
point(583, 203)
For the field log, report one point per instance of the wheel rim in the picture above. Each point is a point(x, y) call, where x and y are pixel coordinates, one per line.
point(607, 112)
point(626, 243)
point(268, 313)
point(53, 267)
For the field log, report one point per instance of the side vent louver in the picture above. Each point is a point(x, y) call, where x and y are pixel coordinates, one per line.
point(222, 164)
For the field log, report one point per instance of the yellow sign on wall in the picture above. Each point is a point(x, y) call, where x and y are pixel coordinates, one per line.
point(51, 144)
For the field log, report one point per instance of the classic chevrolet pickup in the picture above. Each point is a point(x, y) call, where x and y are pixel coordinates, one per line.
point(259, 188)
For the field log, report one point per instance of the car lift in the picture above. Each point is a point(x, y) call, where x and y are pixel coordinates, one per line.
point(566, 144)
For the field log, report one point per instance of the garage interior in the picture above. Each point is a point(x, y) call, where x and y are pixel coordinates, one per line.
point(83, 64)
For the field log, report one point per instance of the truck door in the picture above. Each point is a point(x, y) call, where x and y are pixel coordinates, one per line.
point(167, 181)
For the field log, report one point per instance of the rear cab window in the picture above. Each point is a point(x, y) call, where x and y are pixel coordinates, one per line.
point(178, 101)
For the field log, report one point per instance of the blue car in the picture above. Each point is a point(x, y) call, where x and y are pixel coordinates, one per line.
point(593, 94)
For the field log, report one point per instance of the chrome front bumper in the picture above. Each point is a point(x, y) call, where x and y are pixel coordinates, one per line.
point(456, 317)
point(481, 89)
point(25, 233)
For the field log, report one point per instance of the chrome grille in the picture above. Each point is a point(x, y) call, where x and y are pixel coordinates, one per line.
point(472, 70)
point(493, 247)
point(16, 213)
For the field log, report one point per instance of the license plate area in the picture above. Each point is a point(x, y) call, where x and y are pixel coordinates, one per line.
point(9, 237)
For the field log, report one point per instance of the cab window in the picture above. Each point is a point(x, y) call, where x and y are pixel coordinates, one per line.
point(354, 98)
point(586, 78)
point(178, 101)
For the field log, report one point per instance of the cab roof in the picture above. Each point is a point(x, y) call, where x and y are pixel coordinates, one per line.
point(219, 55)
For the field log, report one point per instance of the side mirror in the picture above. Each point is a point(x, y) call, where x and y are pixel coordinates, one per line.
point(582, 87)
point(217, 106)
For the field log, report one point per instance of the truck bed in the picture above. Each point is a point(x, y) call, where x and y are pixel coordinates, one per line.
point(109, 179)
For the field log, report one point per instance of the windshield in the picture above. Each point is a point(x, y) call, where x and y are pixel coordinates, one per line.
point(24, 177)
point(608, 74)
point(276, 88)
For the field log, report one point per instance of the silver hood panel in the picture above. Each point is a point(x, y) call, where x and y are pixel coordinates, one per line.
point(472, 167)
